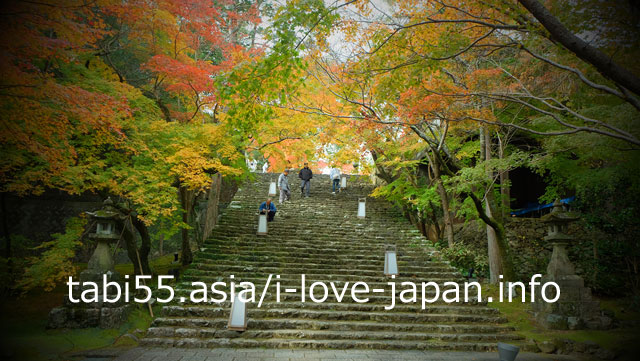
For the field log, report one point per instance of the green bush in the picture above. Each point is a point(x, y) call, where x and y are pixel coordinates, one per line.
point(465, 257)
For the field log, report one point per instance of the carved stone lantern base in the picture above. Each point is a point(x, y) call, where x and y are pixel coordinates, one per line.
point(84, 315)
point(576, 308)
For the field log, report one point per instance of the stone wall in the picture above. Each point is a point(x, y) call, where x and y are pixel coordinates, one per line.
point(210, 204)
point(526, 238)
point(37, 218)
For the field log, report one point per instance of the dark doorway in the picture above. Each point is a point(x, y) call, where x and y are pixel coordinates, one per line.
point(526, 188)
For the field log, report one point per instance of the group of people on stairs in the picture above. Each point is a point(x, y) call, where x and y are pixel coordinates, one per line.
point(305, 175)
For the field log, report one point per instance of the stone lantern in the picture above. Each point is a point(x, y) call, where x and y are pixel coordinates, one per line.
point(362, 208)
point(575, 308)
point(557, 223)
point(101, 262)
point(272, 188)
point(104, 310)
point(391, 261)
point(262, 224)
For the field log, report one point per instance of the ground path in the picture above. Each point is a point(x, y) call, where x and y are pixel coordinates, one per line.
point(257, 354)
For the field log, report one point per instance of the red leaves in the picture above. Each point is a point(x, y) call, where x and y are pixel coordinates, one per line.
point(184, 76)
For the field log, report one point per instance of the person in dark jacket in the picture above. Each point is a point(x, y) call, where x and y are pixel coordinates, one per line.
point(305, 175)
point(269, 208)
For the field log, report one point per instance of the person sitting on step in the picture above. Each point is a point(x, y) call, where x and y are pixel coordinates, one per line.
point(269, 209)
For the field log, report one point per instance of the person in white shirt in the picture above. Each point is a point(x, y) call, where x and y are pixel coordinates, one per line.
point(283, 184)
point(253, 165)
point(334, 174)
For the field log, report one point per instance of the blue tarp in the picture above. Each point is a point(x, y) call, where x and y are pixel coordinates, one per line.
point(538, 207)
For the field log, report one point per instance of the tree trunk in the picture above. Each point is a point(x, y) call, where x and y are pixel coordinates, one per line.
point(145, 245)
point(495, 261)
point(129, 238)
point(595, 259)
point(505, 188)
point(213, 200)
point(186, 198)
point(496, 243)
point(5, 232)
point(434, 219)
point(448, 219)
point(501, 246)
point(133, 252)
point(444, 200)
point(380, 172)
point(423, 224)
point(505, 194)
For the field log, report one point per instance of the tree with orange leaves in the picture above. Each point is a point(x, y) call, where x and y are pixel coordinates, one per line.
point(88, 88)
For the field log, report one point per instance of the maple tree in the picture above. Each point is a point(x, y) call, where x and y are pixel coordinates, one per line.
point(74, 120)
point(452, 82)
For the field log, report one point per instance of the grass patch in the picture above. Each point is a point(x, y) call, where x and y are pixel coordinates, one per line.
point(23, 332)
point(622, 339)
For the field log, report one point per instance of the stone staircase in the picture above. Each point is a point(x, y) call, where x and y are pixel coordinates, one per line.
point(322, 237)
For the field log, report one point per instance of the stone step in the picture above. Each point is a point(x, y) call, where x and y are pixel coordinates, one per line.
point(341, 225)
point(322, 237)
point(437, 308)
point(255, 243)
point(337, 281)
point(307, 324)
point(300, 247)
point(247, 261)
point(210, 312)
point(371, 229)
point(340, 213)
point(239, 274)
point(276, 230)
point(323, 344)
point(375, 298)
point(290, 250)
point(278, 234)
point(337, 257)
point(209, 333)
point(228, 268)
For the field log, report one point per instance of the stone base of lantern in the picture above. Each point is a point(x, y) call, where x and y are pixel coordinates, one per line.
point(106, 316)
point(93, 314)
point(575, 309)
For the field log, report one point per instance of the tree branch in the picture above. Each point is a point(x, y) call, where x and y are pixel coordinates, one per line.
point(585, 51)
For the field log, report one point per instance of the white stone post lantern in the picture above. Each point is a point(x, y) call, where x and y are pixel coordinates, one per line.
point(262, 224)
point(238, 315)
point(101, 262)
point(362, 202)
point(390, 262)
point(272, 188)
point(343, 182)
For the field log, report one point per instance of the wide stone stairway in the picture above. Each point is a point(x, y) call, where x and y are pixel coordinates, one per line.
point(322, 237)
